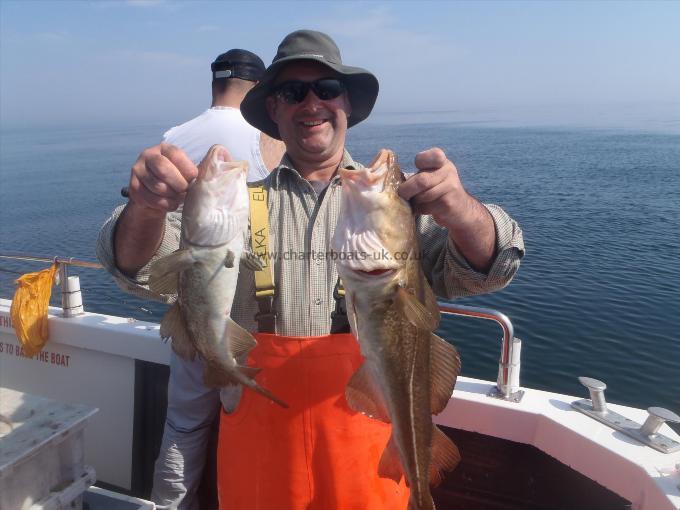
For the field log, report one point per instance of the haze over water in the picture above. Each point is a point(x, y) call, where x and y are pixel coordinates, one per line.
point(597, 293)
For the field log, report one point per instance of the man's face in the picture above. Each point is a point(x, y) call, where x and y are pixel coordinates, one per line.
point(313, 130)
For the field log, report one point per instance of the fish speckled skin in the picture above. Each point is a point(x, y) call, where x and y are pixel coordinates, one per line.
point(204, 273)
point(409, 372)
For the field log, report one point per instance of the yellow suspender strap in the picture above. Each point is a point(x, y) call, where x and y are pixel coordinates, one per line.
point(259, 238)
point(339, 291)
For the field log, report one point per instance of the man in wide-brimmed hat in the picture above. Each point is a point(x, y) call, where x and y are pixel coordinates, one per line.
point(308, 98)
point(318, 453)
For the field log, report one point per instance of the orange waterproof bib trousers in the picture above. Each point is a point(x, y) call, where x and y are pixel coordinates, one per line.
point(316, 455)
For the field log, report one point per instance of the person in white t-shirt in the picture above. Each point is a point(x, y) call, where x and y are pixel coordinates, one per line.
point(234, 74)
point(190, 432)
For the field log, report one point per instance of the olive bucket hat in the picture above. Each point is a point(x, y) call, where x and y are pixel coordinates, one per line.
point(362, 85)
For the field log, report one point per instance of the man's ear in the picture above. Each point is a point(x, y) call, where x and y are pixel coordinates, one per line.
point(271, 103)
point(348, 106)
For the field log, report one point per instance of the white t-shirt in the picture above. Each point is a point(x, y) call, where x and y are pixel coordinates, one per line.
point(225, 126)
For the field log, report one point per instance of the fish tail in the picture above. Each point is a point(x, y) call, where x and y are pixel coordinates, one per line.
point(266, 393)
point(248, 374)
point(215, 377)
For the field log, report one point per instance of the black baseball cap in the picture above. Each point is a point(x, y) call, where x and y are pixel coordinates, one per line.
point(238, 63)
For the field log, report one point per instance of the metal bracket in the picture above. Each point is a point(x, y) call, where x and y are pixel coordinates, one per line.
point(514, 396)
point(629, 427)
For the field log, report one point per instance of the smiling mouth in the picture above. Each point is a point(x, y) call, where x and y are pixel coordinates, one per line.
point(312, 123)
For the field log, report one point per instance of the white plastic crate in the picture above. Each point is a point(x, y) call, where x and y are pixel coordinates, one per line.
point(41, 453)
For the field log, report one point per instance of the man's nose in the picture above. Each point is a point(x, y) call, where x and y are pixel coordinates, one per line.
point(311, 98)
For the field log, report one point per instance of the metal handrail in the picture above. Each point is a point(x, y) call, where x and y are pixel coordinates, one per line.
point(504, 387)
point(71, 297)
point(61, 260)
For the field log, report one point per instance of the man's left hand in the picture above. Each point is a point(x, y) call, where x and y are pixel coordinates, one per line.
point(437, 190)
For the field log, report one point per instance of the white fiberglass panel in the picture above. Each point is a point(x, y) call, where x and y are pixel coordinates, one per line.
point(647, 478)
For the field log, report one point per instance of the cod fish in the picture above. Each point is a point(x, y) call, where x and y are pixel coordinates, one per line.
point(409, 372)
point(204, 272)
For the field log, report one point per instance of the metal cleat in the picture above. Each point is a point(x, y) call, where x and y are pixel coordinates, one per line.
point(657, 417)
point(596, 389)
point(646, 433)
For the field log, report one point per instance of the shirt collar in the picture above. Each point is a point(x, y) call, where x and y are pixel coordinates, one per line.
point(286, 167)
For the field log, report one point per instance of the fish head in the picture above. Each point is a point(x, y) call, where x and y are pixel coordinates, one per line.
point(216, 205)
point(375, 233)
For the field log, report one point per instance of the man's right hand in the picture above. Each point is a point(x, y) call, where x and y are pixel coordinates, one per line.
point(158, 184)
point(160, 178)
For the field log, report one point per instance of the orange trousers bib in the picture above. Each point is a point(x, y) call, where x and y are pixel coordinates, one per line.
point(316, 455)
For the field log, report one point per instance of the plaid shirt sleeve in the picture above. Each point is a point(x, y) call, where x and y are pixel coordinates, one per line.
point(450, 274)
point(138, 285)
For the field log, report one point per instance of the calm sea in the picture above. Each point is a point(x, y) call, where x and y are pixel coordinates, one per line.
point(598, 293)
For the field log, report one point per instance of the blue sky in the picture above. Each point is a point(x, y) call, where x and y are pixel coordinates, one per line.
point(148, 61)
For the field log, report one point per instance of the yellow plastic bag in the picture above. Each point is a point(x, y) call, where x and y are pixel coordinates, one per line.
point(29, 309)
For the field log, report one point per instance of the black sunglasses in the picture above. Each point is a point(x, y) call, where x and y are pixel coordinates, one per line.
point(295, 91)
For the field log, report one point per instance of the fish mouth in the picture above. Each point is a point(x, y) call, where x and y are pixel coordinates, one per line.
point(374, 178)
point(223, 174)
point(375, 273)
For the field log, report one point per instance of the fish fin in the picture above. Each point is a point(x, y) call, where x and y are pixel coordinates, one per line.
point(164, 272)
point(216, 377)
point(414, 311)
point(431, 304)
point(363, 395)
point(241, 342)
point(251, 261)
point(250, 372)
point(250, 382)
point(444, 367)
point(231, 397)
point(266, 393)
point(164, 284)
point(390, 465)
point(229, 259)
point(176, 262)
point(445, 456)
point(173, 326)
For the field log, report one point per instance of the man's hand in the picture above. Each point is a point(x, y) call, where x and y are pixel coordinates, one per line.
point(437, 190)
point(160, 178)
point(158, 184)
